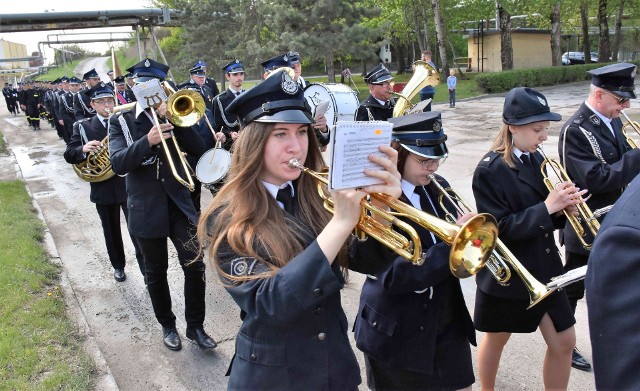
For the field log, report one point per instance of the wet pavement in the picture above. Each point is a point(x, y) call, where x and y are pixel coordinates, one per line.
point(117, 318)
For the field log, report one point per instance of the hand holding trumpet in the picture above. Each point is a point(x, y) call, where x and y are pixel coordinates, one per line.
point(564, 196)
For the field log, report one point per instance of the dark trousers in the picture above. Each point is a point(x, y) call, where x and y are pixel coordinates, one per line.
point(575, 291)
point(67, 130)
point(33, 115)
point(425, 96)
point(156, 260)
point(110, 218)
point(452, 98)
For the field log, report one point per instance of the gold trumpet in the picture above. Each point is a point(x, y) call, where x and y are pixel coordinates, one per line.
point(471, 243)
point(501, 257)
point(424, 75)
point(633, 125)
point(586, 215)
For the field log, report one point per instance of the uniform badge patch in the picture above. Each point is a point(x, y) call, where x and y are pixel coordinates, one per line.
point(437, 126)
point(542, 101)
point(288, 85)
point(243, 266)
point(594, 119)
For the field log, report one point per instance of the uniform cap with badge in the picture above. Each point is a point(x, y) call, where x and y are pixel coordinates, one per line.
point(276, 62)
point(277, 99)
point(119, 80)
point(234, 66)
point(421, 133)
point(524, 105)
point(378, 75)
point(294, 57)
point(74, 80)
point(99, 91)
point(197, 71)
point(148, 69)
point(617, 78)
point(92, 74)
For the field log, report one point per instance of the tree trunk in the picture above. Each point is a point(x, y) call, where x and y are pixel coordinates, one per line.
point(331, 71)
point(401, 53)
point(416, 25)
point(556, 49)
point(438, 20)
point(617, 35)
point(584, 19)
point(603, 24)
point(506, 45)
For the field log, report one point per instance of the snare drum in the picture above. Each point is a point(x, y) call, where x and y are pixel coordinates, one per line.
point(343, 101)
point(213, 165)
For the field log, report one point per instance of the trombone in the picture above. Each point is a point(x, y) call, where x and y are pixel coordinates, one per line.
point(633, 125)
point(500, 256)
point(184, 109)
point(471, 243)
point(586, 215)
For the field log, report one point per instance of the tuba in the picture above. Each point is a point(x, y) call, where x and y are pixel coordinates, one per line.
point(633, 125)
point(500, 258)
point(97, 166)
point(424, 75)
point(471, 243)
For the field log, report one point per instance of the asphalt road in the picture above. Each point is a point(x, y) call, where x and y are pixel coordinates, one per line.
point(117, 318)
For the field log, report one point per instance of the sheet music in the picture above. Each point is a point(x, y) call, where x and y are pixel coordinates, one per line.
point(321, 109)
point(149, 94)
point(351, 144)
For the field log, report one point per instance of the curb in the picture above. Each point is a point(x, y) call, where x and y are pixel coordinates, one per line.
point(104, 379)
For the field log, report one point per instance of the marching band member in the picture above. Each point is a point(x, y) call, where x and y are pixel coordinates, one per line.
point(124, 94)
point(279, 253)
point(598, 158)
point(109, 196)
point(508, 184)
point(208, 81)
point(160, 208)
point(294, 59)
point(224, 121)
point(81, 104)
point(412, 324)
point(66, 116)
point(197, 83)
point(378, 106)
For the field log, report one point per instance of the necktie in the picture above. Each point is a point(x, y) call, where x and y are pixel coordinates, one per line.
point(525, 160)
point(106, 123)
point(284, 196)
point(427, 206)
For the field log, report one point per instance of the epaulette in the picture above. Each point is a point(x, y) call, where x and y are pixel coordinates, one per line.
point(579, 120)
point(489, 158)
point(85, 119)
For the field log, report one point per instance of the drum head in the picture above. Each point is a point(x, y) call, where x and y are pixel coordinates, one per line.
point(213, 165)
point(343, 101)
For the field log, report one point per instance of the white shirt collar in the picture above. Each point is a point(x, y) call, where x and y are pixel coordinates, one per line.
point(380, 101)
point(607, 121)
point(519, 153)
point(273, 189)
point(101, 118)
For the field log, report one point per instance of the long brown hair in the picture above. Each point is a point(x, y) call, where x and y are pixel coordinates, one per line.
point(503, 144)
point(244, 216)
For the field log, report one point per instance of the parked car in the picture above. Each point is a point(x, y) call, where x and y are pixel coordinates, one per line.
point(571, 58)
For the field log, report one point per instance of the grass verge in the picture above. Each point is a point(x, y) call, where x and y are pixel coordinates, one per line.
point(60, 71)
point(39, 347)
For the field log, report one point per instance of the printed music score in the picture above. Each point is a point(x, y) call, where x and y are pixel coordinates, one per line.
point(149, 94)
point(351, 144)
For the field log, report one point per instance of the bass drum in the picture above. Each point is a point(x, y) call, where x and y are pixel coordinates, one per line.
point(213, 166)
point(343, 101)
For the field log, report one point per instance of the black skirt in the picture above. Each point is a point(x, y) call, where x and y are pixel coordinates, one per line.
point(495, 314)
point(453, 368)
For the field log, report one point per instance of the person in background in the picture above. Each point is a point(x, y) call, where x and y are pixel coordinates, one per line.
point(429, 91)
point(508, 184)
point(110, 195)
point(280, 254)
point(294, 58)
point(378, 106)
point(452, 83)
point(597, 157)
point(412, 323)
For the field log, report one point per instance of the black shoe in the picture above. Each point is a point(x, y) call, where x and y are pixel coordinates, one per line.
point(579, 362)
point(119, 275)
point(199, 336)
point(171, 338)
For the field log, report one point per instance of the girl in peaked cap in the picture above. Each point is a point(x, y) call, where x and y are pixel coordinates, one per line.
point(280, 255)
point(508, 184)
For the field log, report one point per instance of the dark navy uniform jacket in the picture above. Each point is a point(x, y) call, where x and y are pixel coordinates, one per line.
point(371, 110)
point(150, 182)
point(82, 106)
point(597, 161)
point(227, 122)
point(111, 191)
point(295, 333)
point(613, 296)
point(401, 309)
point(515, 197)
